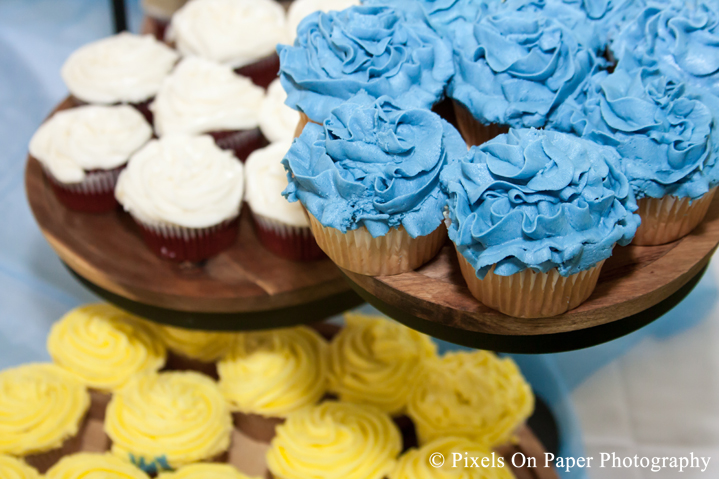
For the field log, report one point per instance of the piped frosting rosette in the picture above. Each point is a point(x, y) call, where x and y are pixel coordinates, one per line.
point(205, 471)
point(300, 9)
point(13, 468)
point(41, 406)
point(376, 49)
point(377, 361)
point(167, 420)
point(474, 395)
point(277, 120)
point(335, 441)
point(205, 346)
point(91, 466)
point(274, 373)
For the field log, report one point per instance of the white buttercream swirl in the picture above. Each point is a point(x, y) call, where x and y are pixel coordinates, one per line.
point(277, 120)
point(201, 96)
point(266, 179)
point(231, 32)
point(89, 138)
point(299, 9)
point(182, 180)
point(121, 68)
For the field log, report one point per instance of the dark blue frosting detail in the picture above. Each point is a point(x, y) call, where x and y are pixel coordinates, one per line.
point(152, 467)
point(373, 164)
point(538, 199)
point(381, 50)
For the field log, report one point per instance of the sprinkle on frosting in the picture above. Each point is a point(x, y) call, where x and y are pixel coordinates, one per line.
point(474, 395)
point(41, 405)
point(335, 441)
point(274, 373)
point(205, 471)
point(375, 49)
point(104, 346)
point(373, 164)
point(541, 200)
point(377, 361)
point(205, 346)
point(277, 121)
point(89, 466)
point(13, 468)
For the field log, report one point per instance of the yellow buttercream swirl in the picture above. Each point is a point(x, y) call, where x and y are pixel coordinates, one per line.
point(104, 346)
point(377, 361)
point(471, 394)
point(335, 441)
point(94, 466)
point(274, 373)
point(12, 468)
point(204, 346)
point(423, 463)
point(41, 405)
point(167, 420)
point(205, 471)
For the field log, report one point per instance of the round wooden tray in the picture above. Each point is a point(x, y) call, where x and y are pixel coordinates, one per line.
point(637, 285)
point(245, 287)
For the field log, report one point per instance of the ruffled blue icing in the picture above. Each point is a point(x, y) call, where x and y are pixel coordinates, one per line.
point(377, 49)
point(541, 200)
point(518, 68)
point(373, 164)
point(661, 128)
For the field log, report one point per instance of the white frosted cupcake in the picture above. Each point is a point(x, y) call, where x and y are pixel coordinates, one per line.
point(185, 193)
point(82, 151)
point(241, 34)
point(299, 9)
point(282, 227)
point(278, 121)
point(201, 96)
point(124, 68)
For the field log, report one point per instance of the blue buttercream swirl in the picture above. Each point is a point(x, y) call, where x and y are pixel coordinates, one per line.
point(519, 67)
point(661, 128)
point(376, 49)
point(373, 164)
point(538, 199)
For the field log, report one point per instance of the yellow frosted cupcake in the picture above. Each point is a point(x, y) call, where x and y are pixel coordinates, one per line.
point(167, 420)
point(94, 466)
point(335, 441)
point(104, 347)
point(195, 350)
point(42, 408)
point(205, 471)
point(474, 395)
point(270, 374)
point(377, 361)
point(13, 468)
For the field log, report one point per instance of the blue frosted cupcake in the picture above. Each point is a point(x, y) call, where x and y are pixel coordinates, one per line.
point(369, 179)
point(377, 49)
point(534, 214)
point(512, 71)
point(662, 130)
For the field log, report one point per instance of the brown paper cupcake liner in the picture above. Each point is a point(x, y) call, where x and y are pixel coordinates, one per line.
point(304, 119)
point(94, 194)
point(98, 404)
point(474, 132)
point(259, 428)
point(394, 253)
point(529, 294)
point(669, 218)
point(263, 71)
point(179, 362)
point(239, 142)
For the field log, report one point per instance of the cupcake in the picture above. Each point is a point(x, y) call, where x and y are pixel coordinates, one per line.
point(104, 347)
point(300, 9)
point(533, 215)
point(513, 70)
point(124, 68)
point(203, 97)
point(195, 350)
point(86, 466)
point(44, 410)
point(662, 130)
point(168, 420)
point(375, 49)
point(241, 34)
point(13, 468)
point(473, 395)
point(369, 179)
point(278, 122)
point(185, 194)
point(377, 361)
point(423, 463)
point(205, 471)
point(335, 441)
point(82, 151)
point(270, 374)
point(281, 227)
